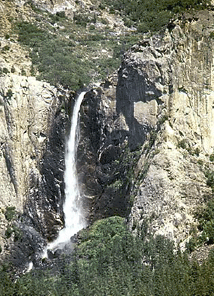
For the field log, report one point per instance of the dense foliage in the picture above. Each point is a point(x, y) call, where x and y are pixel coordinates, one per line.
point(55, 58)
point(153, 14)
point(65, 52)
point(111, 261)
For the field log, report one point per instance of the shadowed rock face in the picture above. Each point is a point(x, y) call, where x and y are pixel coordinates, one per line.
point(47, 190)
point(137, 94)
point(101, 144)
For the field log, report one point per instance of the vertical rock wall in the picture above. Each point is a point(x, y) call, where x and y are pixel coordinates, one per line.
point(157, 116)
point(32, 139)
point(174, 100)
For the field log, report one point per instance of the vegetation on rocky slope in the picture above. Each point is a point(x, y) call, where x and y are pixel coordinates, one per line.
point(205, 217)
point(152, 15)
point(71, 52)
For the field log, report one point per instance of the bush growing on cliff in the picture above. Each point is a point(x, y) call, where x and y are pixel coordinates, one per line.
point(210, 179)
point(10, 212)
point(205, 218)
point(212, 157)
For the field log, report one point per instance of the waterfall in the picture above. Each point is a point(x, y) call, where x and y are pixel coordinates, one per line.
point(74, 219)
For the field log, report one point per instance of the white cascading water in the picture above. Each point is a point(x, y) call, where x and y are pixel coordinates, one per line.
point(74, 219)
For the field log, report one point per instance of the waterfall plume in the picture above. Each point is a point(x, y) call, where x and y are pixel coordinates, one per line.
point(74, 219)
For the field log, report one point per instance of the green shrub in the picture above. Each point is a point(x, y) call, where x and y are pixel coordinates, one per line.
point(8, 232)
point(5, 71)
point(183, 144)
point(33, 6)
point(153, 136)
point(210, 178)
point(200, 162)
point(163, 119)
point(23, 72)
point(5, 48)
point(61, 14)
point(13, 229)
point(13, 69)
point(129, 23)
point(197, 151)
point(18, 234)
point(102, 6)
point(104, 21)
point(92, 27)
point(10, 212)
point(192, 244)
point(212, 157)
point(9, 94)
point(81, 19)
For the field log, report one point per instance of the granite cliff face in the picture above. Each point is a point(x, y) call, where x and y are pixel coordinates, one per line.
point(158, 117)
point(174, 97)
point(33, 127)
point(180, 76)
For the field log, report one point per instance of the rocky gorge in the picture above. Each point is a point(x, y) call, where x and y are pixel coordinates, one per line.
point(145, 142)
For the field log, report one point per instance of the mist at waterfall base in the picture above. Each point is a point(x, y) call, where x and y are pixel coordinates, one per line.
point(74, 219)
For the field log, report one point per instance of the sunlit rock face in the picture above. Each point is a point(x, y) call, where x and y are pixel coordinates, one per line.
point(171, 73)
point(68, 6)
point(166, 85)
point(55, 5)
point(32, 137)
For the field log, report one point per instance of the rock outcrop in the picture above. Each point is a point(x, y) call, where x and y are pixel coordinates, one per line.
point(177, 69)
point(162, 101)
